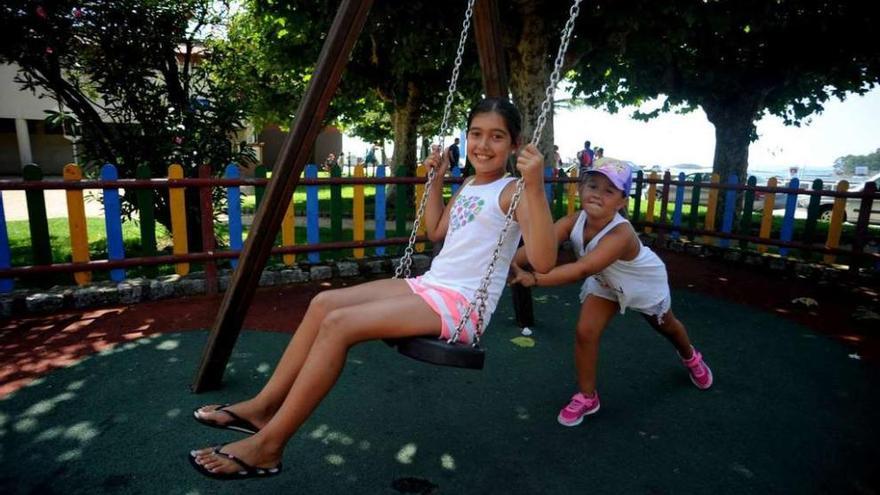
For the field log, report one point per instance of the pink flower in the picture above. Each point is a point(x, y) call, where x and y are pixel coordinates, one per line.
point(49, 50)
point(77, 12)
point(41, 12)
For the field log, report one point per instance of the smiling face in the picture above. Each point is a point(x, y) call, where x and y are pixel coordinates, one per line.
point(489, 143)
point(599, 197)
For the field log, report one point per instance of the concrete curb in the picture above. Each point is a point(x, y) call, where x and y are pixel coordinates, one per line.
point(29, 302)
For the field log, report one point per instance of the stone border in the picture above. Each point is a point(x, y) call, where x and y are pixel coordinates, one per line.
point(766, 261)
point(25, 302)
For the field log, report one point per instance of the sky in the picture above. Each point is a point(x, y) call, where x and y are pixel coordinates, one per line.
point(850, 127)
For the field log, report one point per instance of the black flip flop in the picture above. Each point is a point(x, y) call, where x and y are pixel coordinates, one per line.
point(238, 423)
point(247, 471)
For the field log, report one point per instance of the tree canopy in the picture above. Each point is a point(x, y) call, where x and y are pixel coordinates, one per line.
point(135, 76)
point(847, 164)
point(394, 85)
point(734, 59)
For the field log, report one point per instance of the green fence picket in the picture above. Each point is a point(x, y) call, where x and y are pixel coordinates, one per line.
point(260, 173)
point(559, 197)
point(745, 223)
point(812, 213)
point(146, 213)
point(637, 206)
point(37, 221)
point(336, 205)
point(401, 203)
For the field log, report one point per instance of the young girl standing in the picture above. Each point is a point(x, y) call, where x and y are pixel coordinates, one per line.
point(620, 273)
point(429, 305)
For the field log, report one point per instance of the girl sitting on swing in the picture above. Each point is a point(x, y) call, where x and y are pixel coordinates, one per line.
point(430, 305)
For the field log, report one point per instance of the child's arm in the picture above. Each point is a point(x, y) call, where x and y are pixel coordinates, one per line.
point(562, 230)
point(436, 213)
point(533, 212)
point(619, 241)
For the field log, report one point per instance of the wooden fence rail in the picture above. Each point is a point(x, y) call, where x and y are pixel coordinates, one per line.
point(730, 204)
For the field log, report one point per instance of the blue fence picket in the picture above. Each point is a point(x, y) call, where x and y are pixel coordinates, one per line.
point(233, 212)
point(6, 284)
point(379, 210)
point(679, 202)
point(787, 231)
point(548, 188)
point(456, 172)
point(313, 232)
point(729, 209)
point(113, 222)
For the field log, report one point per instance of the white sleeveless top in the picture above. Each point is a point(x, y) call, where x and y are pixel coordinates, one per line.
point(640, 283)
point(475, 222)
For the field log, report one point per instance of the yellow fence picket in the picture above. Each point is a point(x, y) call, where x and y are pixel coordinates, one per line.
point(836, 225)
point(710, 210)
point(652, 196)
point(76, 220)
point(767, 215)
point(358, 211)
point(177, 203)
point(288, 233)
point(421, 171)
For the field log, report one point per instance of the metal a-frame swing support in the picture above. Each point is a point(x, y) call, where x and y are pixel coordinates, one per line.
point(344, 32)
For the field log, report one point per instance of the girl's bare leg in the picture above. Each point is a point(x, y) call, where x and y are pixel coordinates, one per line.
point(259, 409)
point(674, 331)
point(403, 316)
point(596, 312)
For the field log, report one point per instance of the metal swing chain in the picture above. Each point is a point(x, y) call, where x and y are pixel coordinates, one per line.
point(403, 267)
point(482, 293)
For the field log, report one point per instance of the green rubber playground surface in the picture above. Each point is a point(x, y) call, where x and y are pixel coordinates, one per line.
point(790, 412)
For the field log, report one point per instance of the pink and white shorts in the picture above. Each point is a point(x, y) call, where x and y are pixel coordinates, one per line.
point(449, 305)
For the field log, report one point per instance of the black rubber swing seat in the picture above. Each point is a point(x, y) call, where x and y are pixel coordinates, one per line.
point(436, 351)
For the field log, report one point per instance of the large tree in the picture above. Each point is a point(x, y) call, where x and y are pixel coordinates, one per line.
point(736, 59)
point(134, 74)
point(394, 85)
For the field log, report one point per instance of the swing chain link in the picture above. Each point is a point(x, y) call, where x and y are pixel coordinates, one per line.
point(405, 263)
point(482, 294)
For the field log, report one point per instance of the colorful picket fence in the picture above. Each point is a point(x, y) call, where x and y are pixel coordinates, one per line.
point(734, 229)
point(723, 197)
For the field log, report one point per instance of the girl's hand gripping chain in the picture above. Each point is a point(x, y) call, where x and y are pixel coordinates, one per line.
point(440, 163)
point(530, 164)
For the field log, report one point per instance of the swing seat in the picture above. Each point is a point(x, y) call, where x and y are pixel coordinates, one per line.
point(436, 351)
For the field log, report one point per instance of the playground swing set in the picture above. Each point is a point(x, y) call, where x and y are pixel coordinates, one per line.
point(343, 33)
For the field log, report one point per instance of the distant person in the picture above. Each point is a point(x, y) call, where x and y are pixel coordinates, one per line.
point(330, 162)
point(557, 158)
point(600, 153)
point(585, 157)
point(454, 154)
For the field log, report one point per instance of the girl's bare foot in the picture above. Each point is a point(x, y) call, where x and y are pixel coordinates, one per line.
point(245, 416)
point(251, 451)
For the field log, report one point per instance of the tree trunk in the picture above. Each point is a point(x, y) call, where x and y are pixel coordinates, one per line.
point(734, 121)
point(404, 120)
point(530, 69)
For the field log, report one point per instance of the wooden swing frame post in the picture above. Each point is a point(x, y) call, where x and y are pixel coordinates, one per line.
point(344, 32)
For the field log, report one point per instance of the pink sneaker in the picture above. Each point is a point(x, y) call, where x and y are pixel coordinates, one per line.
point(580, 406)
point(699, 371)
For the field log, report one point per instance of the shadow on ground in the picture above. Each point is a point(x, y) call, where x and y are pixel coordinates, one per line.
point(790, 413)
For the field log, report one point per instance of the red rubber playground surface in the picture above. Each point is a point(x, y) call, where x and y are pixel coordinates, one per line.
point(31, 346)
point(99, 402)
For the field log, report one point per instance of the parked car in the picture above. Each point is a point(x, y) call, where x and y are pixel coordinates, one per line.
point(778, 202)
point(851, 209)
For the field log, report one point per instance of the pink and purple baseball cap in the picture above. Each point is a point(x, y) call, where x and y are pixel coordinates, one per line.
point(617, 171)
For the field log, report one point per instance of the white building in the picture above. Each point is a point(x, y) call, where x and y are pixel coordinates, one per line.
point(24, 136)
